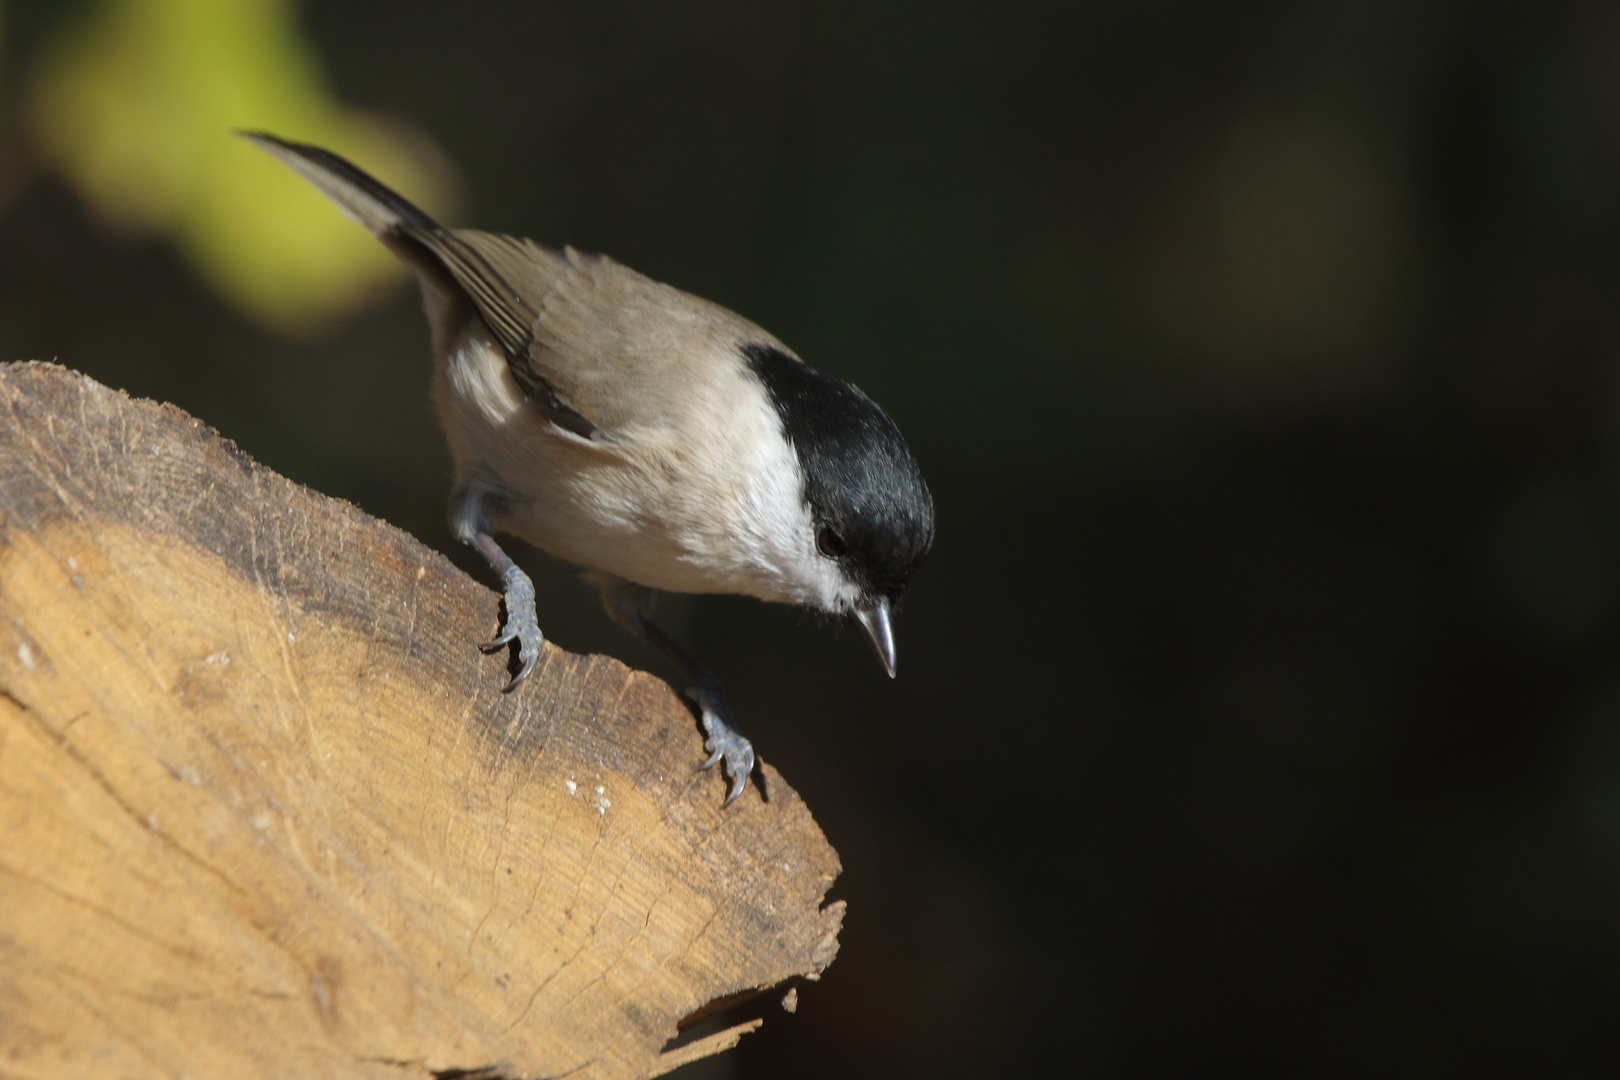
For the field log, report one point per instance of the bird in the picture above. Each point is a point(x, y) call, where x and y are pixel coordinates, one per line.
point(653, 438)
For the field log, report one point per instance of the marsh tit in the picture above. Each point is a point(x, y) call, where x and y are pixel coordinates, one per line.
point(652, 437)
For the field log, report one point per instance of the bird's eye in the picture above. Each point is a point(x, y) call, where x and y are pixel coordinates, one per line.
point(830, 543)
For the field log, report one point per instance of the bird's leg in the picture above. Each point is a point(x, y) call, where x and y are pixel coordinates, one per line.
point(471, 511)
point(723, 742)
point(631, 606)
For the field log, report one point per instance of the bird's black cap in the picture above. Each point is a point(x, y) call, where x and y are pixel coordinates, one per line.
point(860, 479)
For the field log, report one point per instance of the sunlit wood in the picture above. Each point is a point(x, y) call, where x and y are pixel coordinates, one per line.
point(264, 811)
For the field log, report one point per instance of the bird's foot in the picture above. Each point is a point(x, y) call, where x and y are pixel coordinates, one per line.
point(723, 742)
point(522, 624)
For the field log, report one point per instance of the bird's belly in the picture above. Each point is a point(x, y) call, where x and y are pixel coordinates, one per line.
point(608, 542)
point(593, 515)
point(591, 504)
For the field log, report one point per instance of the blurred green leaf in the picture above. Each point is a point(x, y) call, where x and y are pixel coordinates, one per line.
point(136, 103)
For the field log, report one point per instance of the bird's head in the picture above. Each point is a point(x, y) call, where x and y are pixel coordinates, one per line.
point(870, 515)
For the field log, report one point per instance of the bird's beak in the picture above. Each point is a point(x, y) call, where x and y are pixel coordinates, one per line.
point(874, 619)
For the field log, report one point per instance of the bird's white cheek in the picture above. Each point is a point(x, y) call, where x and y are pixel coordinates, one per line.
point(782, 530)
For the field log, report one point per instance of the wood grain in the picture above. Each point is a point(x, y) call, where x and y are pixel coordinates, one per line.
point(265, 813)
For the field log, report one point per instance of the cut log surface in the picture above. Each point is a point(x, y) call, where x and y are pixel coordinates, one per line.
point(265, 812)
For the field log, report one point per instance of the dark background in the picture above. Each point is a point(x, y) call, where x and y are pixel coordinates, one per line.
point(1259, 706)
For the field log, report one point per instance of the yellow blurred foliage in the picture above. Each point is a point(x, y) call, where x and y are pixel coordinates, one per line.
point(136, 105)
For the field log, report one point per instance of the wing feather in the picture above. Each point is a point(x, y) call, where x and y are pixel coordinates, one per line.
point(595, 345)
point(473, 260)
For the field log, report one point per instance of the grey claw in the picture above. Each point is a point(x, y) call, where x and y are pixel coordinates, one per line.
point(723, 742)
point(737, 782)
point(528, 654)
point(522, 625)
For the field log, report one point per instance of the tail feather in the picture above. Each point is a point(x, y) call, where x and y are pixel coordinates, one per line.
point(356, 192)
point(449, 260)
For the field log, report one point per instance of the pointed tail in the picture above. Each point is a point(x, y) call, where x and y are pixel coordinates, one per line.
point(357, 193)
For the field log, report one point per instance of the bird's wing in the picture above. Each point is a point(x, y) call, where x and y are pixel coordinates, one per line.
point(504, 278)
point(631, 353)
point(595, 345)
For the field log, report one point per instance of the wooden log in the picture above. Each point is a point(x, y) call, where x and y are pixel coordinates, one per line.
point(264, 811)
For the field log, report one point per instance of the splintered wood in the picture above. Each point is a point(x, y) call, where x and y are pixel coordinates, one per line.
point(264, 811)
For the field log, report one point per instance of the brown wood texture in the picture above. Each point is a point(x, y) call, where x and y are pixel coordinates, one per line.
point(264, 811)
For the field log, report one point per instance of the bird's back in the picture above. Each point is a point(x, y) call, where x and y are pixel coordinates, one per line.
point(622, 350)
